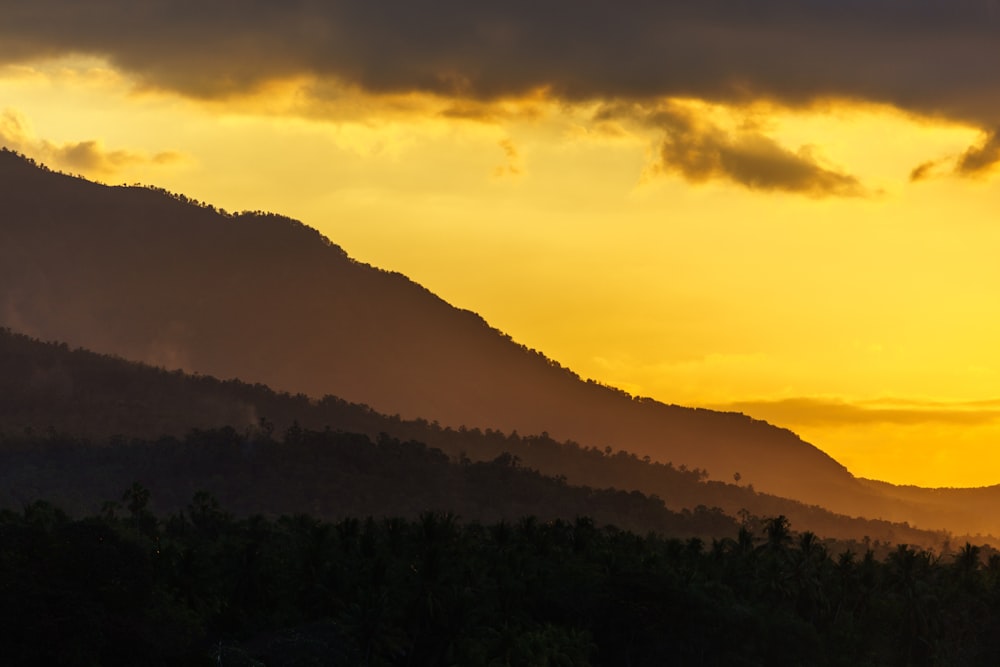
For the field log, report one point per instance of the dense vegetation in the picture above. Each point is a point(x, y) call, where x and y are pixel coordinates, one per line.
point(327, 474)
point(48, 390)
point(480, 547)
point(200, 587)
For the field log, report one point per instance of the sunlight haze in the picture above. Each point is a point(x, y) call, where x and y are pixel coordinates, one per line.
point(822, 265)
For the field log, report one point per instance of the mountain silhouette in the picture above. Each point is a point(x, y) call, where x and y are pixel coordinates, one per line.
point(77, 427)
point(155, 277)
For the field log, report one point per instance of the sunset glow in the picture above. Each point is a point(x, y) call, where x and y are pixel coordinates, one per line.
point(825, 261)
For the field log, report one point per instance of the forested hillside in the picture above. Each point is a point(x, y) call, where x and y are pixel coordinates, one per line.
point(328, 475)
point(202, 588)
point(154, 277)
point(61, 407)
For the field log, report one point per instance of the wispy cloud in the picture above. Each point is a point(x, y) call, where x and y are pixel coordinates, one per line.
point(826, 412)
point(924, 170)
point(88, 156)
point(699, 150)
point(979, 160)
point(512, 165)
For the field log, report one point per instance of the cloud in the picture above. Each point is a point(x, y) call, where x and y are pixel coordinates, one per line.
point(923, 171)
point(931, 57)
point(935, 59)
point(13, 129)
point(510, 167)
point(530, 107)
point(976, 162)
point(89, 156)
point(825, 412)
point(980, 160)
point(699, 150)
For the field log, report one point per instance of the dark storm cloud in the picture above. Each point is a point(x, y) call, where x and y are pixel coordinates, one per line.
point(931, 57)
point(934, 58)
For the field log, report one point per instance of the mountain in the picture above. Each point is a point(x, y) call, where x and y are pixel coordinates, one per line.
point(61, 409)
point(151, 276)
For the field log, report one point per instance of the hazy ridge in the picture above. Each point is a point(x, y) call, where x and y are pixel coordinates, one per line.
point(138, 273)
point(153, 277)
point(61, 405)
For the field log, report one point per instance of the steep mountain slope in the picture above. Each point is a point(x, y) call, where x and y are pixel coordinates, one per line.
point(153, 277)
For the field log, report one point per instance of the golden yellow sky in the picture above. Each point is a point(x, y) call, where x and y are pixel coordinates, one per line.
point(857, 307)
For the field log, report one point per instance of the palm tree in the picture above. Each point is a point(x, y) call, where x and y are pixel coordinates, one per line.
point(778, 533)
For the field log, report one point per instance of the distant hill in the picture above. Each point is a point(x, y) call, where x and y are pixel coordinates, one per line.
point(163, 427)
point(154, 277)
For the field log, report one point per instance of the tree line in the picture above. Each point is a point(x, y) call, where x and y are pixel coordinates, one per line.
point(200, 586)
point(52, 393)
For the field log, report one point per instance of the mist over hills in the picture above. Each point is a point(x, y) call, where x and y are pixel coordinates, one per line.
point(200, 585)
point(77, 427)
point(154, 277)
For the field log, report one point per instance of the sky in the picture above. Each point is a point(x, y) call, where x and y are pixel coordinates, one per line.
point(788, 209)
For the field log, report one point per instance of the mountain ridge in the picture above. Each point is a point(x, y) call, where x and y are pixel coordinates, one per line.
point(158, 278)
point(58, 399)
